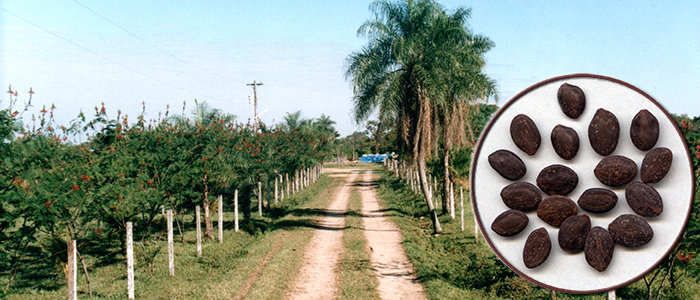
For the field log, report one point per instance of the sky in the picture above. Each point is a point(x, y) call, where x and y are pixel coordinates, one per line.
point(78, 54)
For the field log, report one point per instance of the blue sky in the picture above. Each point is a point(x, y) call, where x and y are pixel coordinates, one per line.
point(210, 51)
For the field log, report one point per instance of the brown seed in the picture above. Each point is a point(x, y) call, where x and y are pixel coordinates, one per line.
point(573, 232)
point(572, 100)
point(656, 165)
point(510, 223)
point(604, 132)
point(565, 141)
point(522, 196)
point(553, 210)
point(525, 134)
point(643, 199)
point(597, 200)
point(507, 164)
point(630, 231)
point(615, 170)
point(599, 248)
point(557, 180)
point(537, 248)
point(644, 130)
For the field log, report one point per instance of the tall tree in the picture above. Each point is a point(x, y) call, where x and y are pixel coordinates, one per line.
point(416, 55)
point(465, 84)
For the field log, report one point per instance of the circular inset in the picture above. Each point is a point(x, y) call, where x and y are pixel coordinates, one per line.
point(562, 271)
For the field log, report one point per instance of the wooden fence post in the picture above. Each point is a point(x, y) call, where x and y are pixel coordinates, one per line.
point(260, 198)
point(72, 271)
point(129, 260)
point(198, 220)
point(461, 207)
point(235, 209)
point(171, 250)
point(276, 191)
point(296, 181)
point(268, 193)
point(281, 188)
point(452, 200)
point(286, 179)
point(221, 219)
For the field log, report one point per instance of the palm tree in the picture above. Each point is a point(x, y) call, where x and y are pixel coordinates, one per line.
point(411, 70)
point(465, 84)
point(203, 114)
point(324, 126)
point(294, 121)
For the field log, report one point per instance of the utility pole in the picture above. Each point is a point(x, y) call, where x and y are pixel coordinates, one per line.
point(255, 104)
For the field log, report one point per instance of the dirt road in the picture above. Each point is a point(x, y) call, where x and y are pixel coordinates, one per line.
point(317, 278)
point(397, 280)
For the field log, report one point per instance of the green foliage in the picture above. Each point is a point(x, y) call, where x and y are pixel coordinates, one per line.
point(53, 190)
point(461, 157)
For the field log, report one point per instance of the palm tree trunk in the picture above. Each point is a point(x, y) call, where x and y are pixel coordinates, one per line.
point(426, 192)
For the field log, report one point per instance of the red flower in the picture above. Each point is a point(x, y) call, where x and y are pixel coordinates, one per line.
point(85, 177)
point(149, 182)
point(75, 188)
point(684, 258)
point(48, 204)
point(204, 158)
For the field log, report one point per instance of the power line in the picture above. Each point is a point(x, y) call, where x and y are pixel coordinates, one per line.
point(146, 42)
point(100, 55)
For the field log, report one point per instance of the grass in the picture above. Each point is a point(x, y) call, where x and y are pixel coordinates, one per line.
point(454, 265)
point(223, 269)
point(357, 278)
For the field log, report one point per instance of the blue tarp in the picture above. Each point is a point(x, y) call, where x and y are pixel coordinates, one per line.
point(375, 158)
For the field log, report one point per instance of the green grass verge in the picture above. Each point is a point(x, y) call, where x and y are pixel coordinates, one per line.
point(223, 268)
point(452, 265)
point(357, 279)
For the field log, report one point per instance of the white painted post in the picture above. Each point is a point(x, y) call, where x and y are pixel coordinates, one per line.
point(199, 231)
point(130, 260)
point(461, 207)
point(221, 219)
point(281, 188)
point(286, 179)
point(436, 192)
point(611, 295)
point(171, 250)
point(235, 209)
point(71, 271)
point(276, 191)
point(260, 198)
point(452, 200)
